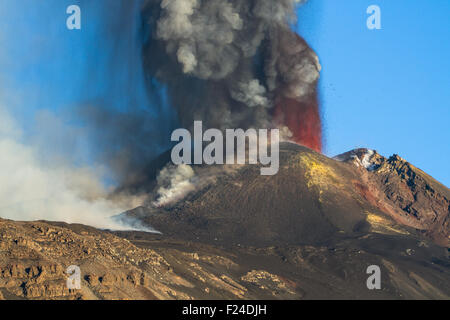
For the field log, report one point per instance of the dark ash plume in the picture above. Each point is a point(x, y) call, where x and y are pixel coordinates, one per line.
point(234, 64)
point(229, 63)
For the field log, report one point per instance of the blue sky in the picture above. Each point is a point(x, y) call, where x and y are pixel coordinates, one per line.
point(385, 89)
point(56, 68)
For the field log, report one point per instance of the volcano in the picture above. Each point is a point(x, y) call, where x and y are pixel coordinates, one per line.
point(312, 200)
point(309, 232)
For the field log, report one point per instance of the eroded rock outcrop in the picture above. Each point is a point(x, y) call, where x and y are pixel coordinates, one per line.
point(34, 257)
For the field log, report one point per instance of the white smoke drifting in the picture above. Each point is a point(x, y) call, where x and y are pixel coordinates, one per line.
point(32, 189)
point(174, 183)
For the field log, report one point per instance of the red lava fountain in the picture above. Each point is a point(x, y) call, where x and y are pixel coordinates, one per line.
point(302, 119)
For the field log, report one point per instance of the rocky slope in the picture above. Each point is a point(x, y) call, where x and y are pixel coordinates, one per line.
point(308, 232)
point(312, 199)
point(407, 194)
point(34, 257)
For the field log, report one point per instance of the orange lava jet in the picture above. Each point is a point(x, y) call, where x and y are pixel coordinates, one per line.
point(302, 119)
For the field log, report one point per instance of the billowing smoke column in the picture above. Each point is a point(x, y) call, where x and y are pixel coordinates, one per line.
point(235, 64)
point(230, 63)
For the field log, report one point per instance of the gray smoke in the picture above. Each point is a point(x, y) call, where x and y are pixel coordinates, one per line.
point(38, 185)
point(174, 182)
point(227, 62)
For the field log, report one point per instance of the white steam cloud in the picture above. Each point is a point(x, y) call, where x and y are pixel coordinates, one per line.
point(174, 183)
point(33, 189)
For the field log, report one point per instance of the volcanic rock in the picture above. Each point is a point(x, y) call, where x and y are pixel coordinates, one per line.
point(309, 232)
